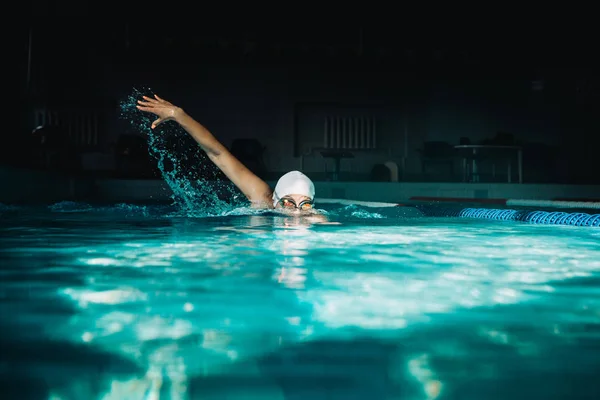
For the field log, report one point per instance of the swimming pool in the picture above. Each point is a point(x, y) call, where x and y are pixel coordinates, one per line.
point(143, 302)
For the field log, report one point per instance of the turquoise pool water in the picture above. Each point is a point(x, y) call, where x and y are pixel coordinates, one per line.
point(144, 302)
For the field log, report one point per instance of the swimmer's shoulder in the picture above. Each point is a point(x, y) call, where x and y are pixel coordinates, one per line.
point(264, 203)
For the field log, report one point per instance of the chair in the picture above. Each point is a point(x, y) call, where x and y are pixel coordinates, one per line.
point(380, 173)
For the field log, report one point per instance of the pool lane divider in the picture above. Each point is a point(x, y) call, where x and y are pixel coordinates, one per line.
point(563, 203)
point(455, 207)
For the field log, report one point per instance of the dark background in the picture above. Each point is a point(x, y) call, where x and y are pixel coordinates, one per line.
point(249, 79)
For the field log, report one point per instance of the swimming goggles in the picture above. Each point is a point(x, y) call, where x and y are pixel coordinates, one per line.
point(290, 204)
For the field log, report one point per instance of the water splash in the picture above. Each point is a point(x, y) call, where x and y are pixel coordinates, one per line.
point(70, 207)
point(197, 185)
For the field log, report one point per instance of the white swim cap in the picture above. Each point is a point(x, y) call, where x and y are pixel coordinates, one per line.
point(294, 182)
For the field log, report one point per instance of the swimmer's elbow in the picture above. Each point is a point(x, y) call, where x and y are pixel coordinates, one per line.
point(213, 152)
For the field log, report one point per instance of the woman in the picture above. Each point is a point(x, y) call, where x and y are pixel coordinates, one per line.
point(294, 190)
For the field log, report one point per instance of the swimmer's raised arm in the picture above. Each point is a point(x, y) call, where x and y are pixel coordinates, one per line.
point(255, 189)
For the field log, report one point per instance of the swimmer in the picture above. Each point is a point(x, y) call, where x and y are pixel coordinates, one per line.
point(294, 192)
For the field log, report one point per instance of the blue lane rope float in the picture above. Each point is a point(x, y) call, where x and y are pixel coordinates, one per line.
point(532, 217)
point(505, 214)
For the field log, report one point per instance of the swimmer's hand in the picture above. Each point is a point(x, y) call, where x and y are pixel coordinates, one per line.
point(164, 110)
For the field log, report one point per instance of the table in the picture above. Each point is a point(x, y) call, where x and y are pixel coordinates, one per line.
point(475, 148)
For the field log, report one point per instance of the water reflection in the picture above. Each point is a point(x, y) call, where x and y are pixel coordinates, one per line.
point(281, 307)
point(292, 251)
point(191, 303)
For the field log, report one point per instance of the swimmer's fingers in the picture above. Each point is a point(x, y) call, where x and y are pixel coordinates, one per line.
point(149, 99)
point(148, 103)
point(152, 102)
point(144, 108)
point(155, 100)
point(156, 123)
point(163, 101)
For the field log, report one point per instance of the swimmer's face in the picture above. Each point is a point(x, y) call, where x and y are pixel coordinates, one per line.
point(295, 202)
